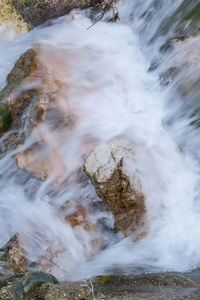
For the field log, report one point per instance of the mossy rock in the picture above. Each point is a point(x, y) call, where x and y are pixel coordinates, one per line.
point(22, 68)
point(5, 118)
point(10, 114)
point(28, 287)
point(161, 286)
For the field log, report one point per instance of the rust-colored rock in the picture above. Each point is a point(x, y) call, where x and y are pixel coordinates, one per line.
point(14, 254)
point(112, 169)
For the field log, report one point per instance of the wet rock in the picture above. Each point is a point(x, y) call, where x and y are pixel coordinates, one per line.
point(40, 166)
point(25, 286)
point(5, 118)
point(13, 255)
point(112, 169)
point(79, 217)
point(184, 61)
point(163, 286)
point(26, 102)
point(16, 101)
point(29, 286)
point(39, 11)
point(10, 18)
point(87, 234)
point(49, 111)
point(22, 69)
point(168, 76)
point(183, 21)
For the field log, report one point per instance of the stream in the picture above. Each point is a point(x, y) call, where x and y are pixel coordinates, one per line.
point(109, 83)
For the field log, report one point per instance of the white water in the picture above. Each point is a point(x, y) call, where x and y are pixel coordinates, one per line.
point(113, 95)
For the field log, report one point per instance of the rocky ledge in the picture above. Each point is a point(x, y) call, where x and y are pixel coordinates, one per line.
point(40, 285)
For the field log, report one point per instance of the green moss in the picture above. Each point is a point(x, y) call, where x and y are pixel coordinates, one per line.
point(102, 279)
point(5, 118)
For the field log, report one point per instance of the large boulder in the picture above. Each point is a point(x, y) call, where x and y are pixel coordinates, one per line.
point(38, 11)
point(112, 169)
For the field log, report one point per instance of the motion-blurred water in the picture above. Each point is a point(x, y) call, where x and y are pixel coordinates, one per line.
point(106, 86)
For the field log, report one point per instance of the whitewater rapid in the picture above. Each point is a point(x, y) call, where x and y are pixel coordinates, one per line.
point(124, 100)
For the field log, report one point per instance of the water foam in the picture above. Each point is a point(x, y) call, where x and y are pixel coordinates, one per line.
point(113, 95)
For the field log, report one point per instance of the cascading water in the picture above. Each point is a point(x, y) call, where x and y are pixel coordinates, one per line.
point(106, 86)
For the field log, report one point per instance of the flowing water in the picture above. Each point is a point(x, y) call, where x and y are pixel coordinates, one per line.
point(105, 84)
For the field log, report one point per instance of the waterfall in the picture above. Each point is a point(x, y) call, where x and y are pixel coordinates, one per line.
point(106, 85)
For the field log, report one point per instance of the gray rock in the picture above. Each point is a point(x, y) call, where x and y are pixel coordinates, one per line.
point(165, 286)
point(38, 11)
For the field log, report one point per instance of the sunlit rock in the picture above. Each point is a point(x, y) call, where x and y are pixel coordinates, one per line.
point(112, 169)
point(11, 19)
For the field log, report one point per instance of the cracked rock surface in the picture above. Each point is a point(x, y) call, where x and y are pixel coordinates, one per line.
point(112, 169)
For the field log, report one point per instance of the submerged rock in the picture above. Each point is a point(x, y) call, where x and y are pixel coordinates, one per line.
point(39, 11)
point(79, 217)
point(112, 169)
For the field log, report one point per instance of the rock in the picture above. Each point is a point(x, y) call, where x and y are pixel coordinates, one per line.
point(18, 96)
point(112, 169)
point(5, 118)
point(168, 76)
point(80, 217)
point(22, 68)
point(15, 258)
point(29, 285)
point(184, 73)
point(10, 18)
point(40, 166)
point(13, 254)
point(87, 234)
point(38, 11)
point(24, 286)
point(162, 286)
point(15, 103)
point(49, 111)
